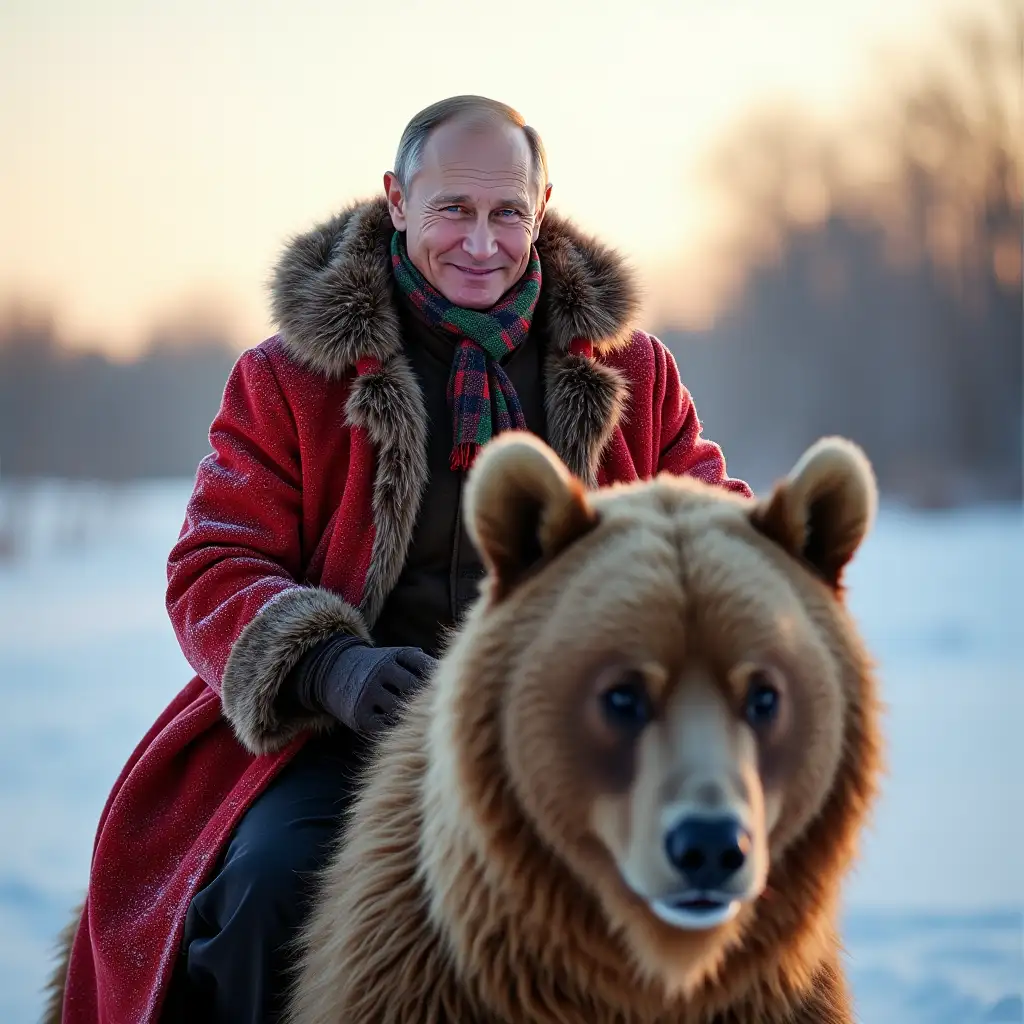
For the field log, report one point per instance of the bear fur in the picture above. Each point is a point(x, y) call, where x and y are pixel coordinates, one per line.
point(506, 859)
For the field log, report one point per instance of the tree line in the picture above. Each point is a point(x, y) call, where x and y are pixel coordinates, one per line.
point(876, 293)
point(878, 277)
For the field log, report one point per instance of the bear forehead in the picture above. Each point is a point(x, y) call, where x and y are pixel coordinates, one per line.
point(672, 549)
point(663, 573)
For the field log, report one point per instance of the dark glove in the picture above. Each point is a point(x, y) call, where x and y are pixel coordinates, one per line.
point(361, 686)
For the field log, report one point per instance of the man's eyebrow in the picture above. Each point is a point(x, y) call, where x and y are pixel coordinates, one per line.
point(452, 199)
point(516, 204)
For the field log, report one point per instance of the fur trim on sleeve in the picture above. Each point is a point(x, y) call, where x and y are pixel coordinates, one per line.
point(265, 653)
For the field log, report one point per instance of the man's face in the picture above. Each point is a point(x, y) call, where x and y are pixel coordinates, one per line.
point(471, 211)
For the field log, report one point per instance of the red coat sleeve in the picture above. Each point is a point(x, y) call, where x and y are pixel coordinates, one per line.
point(242, 618)
point(239, 545)
point(683, 450)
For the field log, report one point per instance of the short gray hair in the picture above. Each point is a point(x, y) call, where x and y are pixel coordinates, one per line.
point(418, 130)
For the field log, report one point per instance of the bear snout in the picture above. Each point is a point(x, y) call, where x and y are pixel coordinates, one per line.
point(708, 852)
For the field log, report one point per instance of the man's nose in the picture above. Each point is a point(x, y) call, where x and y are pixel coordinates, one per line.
point(480, 242)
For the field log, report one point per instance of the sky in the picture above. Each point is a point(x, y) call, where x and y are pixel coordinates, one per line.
point(156, 156)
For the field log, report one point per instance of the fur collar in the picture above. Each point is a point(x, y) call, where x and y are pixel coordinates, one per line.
point(335, 310)
point(333, 304)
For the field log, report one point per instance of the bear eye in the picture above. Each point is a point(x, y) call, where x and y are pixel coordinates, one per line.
point(762, 702)
point(627, 704)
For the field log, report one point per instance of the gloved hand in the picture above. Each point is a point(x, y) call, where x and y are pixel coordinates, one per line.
point(361, 686)
point(367, 685)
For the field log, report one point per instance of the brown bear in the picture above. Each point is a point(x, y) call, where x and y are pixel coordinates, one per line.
point(634, 785)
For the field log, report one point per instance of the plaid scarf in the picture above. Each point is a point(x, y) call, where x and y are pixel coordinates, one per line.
point(480, 395)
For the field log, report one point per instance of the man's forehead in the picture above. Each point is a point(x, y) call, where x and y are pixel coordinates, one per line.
point(478, 145)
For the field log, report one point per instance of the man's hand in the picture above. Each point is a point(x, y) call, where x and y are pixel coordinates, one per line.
point(366, 685)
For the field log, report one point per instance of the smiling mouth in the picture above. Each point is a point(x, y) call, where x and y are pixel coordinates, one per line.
point(474, 273)
point(696, 911)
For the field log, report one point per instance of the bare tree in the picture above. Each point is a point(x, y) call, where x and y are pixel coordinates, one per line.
point(879, 274)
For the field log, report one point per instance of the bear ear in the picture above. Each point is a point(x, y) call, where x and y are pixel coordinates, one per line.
point(824, 508)
point(523, 507)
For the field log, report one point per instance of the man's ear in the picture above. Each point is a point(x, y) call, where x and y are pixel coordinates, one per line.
point(523, 508)
point(824, 508)
point(394, 192)
point(541, 209)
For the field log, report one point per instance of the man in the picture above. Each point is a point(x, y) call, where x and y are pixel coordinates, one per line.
point(323, 554)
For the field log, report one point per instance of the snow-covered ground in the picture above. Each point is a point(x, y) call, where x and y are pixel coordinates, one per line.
point(935, 915)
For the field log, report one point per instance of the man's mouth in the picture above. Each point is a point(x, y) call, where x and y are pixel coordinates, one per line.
point(475, 271)
point(694, 911)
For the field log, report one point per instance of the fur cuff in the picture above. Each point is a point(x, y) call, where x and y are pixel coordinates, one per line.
point(265, 653)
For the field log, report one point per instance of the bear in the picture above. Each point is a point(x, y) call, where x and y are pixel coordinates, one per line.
point(633, 786)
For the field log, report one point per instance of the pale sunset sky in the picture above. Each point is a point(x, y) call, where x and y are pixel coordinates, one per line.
point(158, 154)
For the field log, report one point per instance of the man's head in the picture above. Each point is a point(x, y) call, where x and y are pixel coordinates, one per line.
point(469, 189)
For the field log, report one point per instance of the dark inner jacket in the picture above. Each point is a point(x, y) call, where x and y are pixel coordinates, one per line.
point(442, 571)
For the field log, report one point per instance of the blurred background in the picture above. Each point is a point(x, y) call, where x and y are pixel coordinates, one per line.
point(823, 201)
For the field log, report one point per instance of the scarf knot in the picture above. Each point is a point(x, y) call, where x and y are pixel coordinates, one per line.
point(481, 397)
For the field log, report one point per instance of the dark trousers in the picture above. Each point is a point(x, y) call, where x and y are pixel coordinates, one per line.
point(235, 958)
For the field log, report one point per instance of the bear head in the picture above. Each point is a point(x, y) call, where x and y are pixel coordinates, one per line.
point(656, 734)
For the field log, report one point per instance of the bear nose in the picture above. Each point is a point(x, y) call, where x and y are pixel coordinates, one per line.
point(708, 851)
